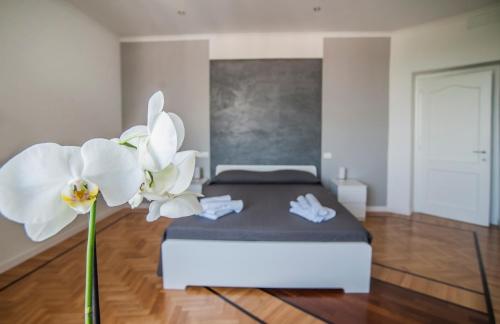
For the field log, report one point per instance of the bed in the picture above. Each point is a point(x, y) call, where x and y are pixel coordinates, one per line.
point(266, 246)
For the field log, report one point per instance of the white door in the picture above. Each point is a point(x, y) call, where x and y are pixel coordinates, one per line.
point(453, 145)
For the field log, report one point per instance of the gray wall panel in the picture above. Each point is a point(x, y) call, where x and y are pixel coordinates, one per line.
point(265, 111)
point(181, 70)
point(355, 111)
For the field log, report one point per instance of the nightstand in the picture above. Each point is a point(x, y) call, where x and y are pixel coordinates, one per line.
point(352, 195)
point(196, 185)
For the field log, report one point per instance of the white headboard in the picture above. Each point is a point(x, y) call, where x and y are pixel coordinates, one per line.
point(263, 168)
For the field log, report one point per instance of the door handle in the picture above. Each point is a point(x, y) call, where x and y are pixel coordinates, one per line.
point(479, 152)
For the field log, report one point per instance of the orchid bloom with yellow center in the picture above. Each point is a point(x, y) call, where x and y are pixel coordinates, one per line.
point(47, 185)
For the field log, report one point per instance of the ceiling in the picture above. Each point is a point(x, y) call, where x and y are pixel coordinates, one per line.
point(161, 17)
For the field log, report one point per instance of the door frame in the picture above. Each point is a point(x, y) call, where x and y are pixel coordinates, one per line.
point(493, 66)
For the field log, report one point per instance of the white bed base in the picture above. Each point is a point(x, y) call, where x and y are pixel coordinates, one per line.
point(344, 265)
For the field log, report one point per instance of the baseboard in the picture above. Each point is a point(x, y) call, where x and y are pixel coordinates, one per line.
point(377, 209)
point(39, 248)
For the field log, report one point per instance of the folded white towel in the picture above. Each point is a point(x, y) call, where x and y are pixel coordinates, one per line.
point(236, 205)
point(310, 216)
point(216, 198)
point(309, 208)
point(217, 214)
point(296, 205)
point(303, 202)
point(316, 205)
point(216, 207)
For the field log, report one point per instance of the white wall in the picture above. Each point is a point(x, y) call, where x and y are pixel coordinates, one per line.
point(263, 46)
point(59, 82)
point(454, 42)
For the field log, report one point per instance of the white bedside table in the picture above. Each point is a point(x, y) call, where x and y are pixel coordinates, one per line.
point(197, 185)
point(352, 195)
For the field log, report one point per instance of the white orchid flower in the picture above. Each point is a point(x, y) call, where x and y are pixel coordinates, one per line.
point(47, 185)
point(183, 205)
point(159, 140)
point(167, 189)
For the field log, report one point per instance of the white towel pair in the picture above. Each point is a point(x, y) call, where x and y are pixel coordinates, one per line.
point(310, 208)
point(216, 207)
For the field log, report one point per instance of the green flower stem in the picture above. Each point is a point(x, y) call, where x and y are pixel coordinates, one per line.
point(89, 275)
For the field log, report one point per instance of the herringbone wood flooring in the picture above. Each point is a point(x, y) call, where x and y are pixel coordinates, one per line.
point(489, 244)
point(49, 287)
point(447, 255)
point(54, 293)
point(438, 290)
point(409, 250)
point(265, 306)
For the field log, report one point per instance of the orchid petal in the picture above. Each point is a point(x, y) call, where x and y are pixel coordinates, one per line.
point(157, 153)
point(31, 182)
point(181, 206)
point(196, 194)
point(42, 231)
point(185, 164)
point(154, 211)
point(113, 168)
point(179, 128)
point(136, 200)
point(144, 157)
point(134, 134)
point(155, 106)
point(163, 181)
point(153, 196)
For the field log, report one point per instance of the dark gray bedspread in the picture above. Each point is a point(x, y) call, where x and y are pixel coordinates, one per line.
point(265, 217)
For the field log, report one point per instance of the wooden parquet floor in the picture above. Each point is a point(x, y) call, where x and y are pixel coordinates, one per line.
point(445, 255)
point(423, 272)
point(440, 258)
